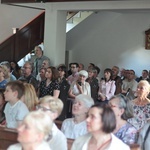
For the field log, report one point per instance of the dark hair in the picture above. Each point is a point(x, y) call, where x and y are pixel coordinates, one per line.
point(17, 86)
point(108, 70)
point(63, 68)
point(124, 103)
point(2, 93)
point(108, 117)
point(93, 65)
point(97, 69)
point(77, 65)
point(55, 73)
point(146, 71)
point(132, 71)
point(17, 67)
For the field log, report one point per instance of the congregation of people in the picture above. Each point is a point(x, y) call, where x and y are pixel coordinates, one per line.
point(108, 113)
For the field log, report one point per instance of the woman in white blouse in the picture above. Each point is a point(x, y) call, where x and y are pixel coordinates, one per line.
point(76, 126)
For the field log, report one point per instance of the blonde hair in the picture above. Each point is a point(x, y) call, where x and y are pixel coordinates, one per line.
point(5, 71)
point(55, 104)
point(30, 98)
point(146, 85)
point(41, 122)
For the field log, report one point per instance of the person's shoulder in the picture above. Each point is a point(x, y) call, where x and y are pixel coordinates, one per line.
point(120, 144)
point(45, 57)
point(68, 120)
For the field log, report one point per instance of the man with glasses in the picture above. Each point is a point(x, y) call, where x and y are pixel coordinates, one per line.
point(27, 75)
point(74, 69)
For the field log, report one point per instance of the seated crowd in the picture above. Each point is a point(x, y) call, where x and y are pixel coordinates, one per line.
point(96, 113)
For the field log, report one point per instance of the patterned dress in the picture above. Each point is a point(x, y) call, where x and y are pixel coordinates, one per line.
point(48, 90)
point(141, 115)
point(127, 133)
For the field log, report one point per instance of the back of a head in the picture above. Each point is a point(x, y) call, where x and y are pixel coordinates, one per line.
point(55, 104)
point(41, 121)
point(86, 99)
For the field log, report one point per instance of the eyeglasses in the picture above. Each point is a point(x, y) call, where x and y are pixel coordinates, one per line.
point(43, 108)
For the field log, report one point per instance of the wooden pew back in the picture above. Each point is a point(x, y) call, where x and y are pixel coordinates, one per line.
point(7, 137)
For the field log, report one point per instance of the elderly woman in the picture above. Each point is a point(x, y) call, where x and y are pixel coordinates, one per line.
point(75, 127)
point(123, 110)
point(33, 131)
point(100, 124)
point(53, 107)
point(80, 86)
point(141, 105)
point(107, 87)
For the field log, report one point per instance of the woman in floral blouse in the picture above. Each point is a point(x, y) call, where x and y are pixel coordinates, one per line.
point(122, 108)
point(141, 105)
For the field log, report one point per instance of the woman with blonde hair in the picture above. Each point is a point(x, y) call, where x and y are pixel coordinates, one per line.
point(53, 107)
point(30, 98)
point(33, 132)
point(141, 105)
point(3, 75)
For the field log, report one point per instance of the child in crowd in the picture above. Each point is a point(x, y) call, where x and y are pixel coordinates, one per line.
point(2, 106)
point(3, 73)
point(15, 110)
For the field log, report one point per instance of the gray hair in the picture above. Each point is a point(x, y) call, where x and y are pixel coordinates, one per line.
point(124, 103)
point(86, 99)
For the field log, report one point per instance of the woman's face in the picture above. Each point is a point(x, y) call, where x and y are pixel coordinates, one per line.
point(27, 133)
point(94, 122)
point(79, 108)
point(81, 78)
point(45, 107)
point(61, 73)
point(113, 103)
point(90, 74)
point(13, 65)
point(107, 75)
point(141, 90)
point(48, 73)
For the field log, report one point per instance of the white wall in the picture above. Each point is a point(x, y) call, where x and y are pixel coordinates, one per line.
point(110, 38)
point(12, 16)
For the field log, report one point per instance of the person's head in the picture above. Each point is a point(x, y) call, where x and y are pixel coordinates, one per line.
point(38, 51)
point(91, 72)
point(14, 90)
point(97, 71)
point(27, 68)
point(51, 105)
point(81, 104)
point(130, 75)
point(143, 88)
point(107, 73)
point(91, 65)
point(14, 65)
point(81, 67)
point(101, 118)
point(46, 63)
point(7, 64)
point(52, 73)
point(145, 74)
point(42, 73)
point(62, 70)
point(115, 71)
point(2, 98)
point(4, 72)
point(36, 127)
point(30, 98)
point(83, 75)
point(121, 106)
point(74, 67)
point(122, 72)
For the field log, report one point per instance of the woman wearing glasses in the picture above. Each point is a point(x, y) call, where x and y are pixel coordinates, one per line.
point(53, 107)
point(123, 110)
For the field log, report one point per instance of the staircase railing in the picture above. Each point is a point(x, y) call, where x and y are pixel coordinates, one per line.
point(24, 40)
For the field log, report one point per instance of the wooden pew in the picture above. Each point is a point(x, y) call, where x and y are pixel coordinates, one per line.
point(7, 137)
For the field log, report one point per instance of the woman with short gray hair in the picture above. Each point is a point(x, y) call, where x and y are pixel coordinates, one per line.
point(123, 110)
point(76, 126)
